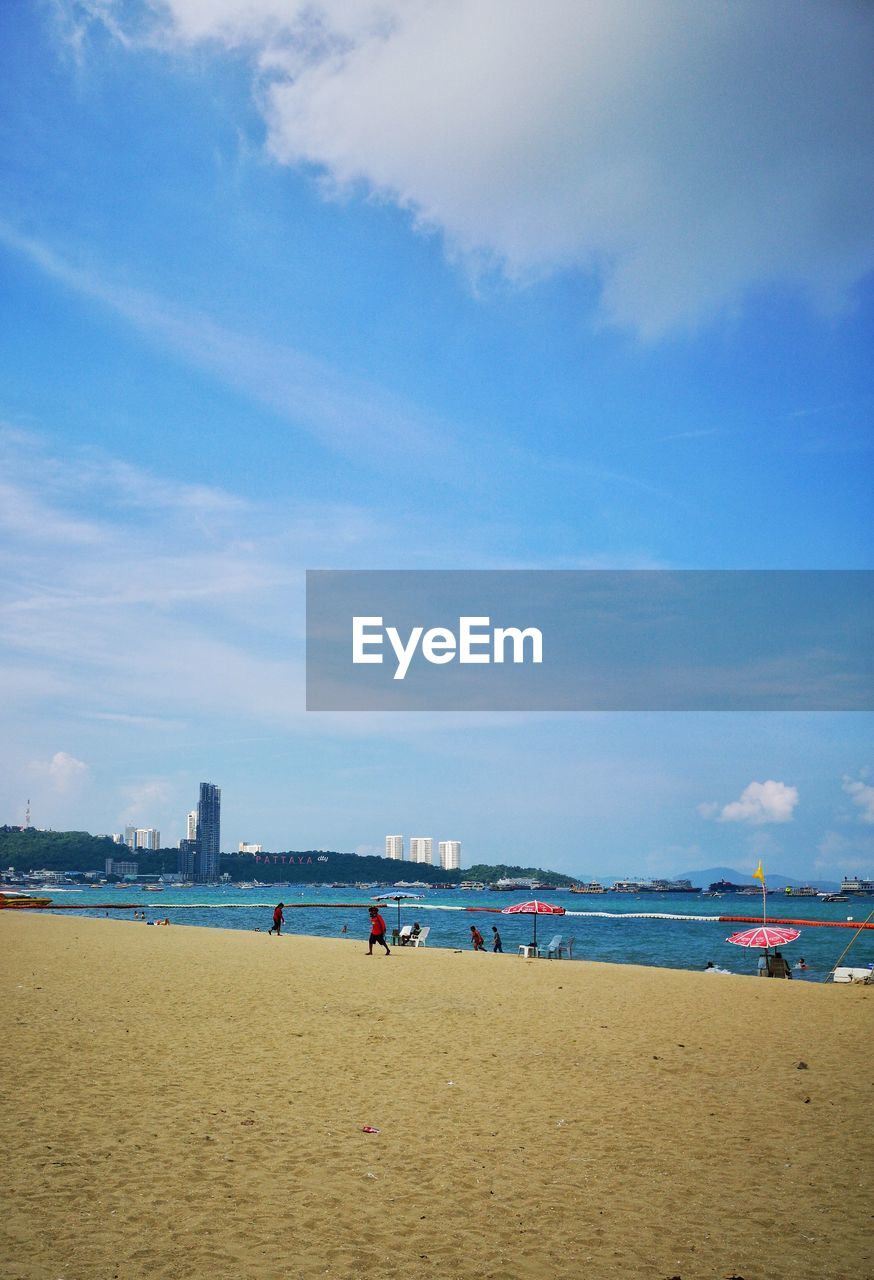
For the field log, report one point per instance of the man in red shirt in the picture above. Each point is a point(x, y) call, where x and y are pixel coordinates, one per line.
point(278, 920)
point(477, 939)
point(377, 931)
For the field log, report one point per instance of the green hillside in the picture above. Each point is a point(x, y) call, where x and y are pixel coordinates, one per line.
point(32, 850)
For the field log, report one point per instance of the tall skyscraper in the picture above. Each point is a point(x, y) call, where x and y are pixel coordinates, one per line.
point(421, 849)
point(450, 854)
point(394, 847)
point(206, 863)
point(191, 832)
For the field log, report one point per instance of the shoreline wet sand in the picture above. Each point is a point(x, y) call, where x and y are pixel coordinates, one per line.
point(187, 1102)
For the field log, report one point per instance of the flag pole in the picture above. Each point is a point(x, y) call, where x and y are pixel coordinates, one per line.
point(759, 874)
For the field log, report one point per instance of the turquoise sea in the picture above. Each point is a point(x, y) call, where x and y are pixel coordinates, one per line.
point(599, 924)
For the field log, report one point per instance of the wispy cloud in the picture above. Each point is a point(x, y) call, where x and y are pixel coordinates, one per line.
point(862, 795)
point(342, 413)
point(702, 434)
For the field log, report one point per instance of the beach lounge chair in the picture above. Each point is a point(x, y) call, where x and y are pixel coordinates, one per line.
point(404, 936)
point(553, 951)
point(419, 940)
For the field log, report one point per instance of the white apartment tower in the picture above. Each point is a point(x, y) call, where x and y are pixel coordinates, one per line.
point(191, 826)
point(142, 838)
point(450, 854)
point(421, 849)
point(394, 847)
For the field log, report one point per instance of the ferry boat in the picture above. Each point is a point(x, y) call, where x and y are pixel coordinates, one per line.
point(853, 884)
point(655, 886)
point(833, 897)
point(804, 891)
point(591, 887)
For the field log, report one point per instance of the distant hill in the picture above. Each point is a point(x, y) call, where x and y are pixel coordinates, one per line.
point(30, 849)
point(773, 879)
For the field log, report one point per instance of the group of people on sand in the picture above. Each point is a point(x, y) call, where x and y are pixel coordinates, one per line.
point(378, 931)
point(479, 942)
point(377, 927)
point(141, 915)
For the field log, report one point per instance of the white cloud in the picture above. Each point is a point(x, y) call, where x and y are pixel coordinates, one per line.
point(862, 794)
point(759, 803)
point(682, 152)
point(63, 772)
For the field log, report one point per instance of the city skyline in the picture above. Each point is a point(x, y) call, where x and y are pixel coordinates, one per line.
point(609, 303)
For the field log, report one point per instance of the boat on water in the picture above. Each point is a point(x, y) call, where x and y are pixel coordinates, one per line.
point(592, 886)
point(21, 901)
point(854, 884)
point(833, 897)
point(720, 887)
point(803, 891)
point(655, 886)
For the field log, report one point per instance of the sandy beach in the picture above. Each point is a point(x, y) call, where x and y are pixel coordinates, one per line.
point(183, 1102)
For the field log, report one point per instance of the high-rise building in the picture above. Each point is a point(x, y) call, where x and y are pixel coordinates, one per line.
point(142, 837)
point(206, 862)
point(421, 849)
point(450, 854)
point(185, 859)
point(246, 846)
point(191, 832)
point(394, 847)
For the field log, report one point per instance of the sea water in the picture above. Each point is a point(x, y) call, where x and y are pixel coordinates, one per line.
point(603, 926)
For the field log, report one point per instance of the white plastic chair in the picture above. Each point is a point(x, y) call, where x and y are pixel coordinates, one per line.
point(554, 948)
point(419, 940)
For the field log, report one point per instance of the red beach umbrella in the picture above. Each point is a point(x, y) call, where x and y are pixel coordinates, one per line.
point(533, 908)
point(764, 936)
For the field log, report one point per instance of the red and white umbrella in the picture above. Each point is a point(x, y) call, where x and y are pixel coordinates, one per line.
point(533, 908)
point(764, 936)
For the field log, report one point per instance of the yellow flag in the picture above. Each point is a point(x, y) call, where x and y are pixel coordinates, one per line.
point(759, 874)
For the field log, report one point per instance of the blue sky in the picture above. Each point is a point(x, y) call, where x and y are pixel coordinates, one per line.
point(423, 285)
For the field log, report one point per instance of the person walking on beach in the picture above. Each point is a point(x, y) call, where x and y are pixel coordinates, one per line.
point(497, 945)
point(377, 931)
point(278, 920)
point(477, 939)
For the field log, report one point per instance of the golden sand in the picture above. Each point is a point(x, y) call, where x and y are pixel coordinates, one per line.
point(183, 1102)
